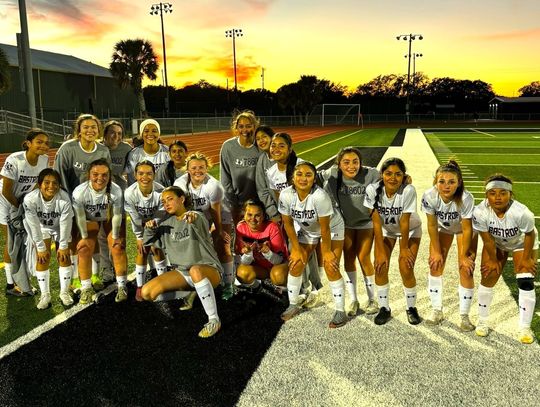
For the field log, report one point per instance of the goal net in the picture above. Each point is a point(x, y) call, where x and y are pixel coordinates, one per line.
point(331, 114)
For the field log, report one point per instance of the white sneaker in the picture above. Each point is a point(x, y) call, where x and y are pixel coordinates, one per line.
point(435, 317)
point(371, 307)
point(312, 300)
point(66, 298)
point(44, 301)
point(482, 329)
point(526, 336)
point(353, 308)
point(466, 324)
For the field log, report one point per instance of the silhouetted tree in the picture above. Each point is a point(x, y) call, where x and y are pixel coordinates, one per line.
point(132, 60)
point(532, 89)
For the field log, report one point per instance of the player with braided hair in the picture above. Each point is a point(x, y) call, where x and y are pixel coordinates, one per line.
point(393, 204)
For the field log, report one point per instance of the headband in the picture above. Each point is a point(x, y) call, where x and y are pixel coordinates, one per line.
point(499, 184)
point(146, 122)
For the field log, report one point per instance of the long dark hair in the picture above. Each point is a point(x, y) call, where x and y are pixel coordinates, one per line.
point(387, 163)
point(316, 182)
point(179, 192)
point(31, 135)
point(292, 159)
point(339, 157)
point(170, 171)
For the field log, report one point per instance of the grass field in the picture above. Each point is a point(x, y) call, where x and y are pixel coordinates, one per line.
point(482, 152)
point(20, 314)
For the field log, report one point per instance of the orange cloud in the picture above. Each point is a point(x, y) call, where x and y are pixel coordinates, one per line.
point(244, 70)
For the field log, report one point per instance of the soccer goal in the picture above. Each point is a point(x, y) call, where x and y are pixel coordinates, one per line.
point(330, 114)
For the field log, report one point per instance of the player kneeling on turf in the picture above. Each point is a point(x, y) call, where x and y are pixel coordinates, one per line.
point(505, 226)
point(185, 238)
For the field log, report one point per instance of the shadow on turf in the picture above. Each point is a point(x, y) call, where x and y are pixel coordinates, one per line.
point(131, 354)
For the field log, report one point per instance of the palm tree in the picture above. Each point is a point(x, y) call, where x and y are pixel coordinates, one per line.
point(5, 76)
point(132, 60)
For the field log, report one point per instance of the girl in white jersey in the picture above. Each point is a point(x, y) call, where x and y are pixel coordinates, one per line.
point(48, 218)
point(309, 218)
point(394, 217)
point(98, 203)
point(151, 149)
point(142, 201)
point(206, 195)
point(19, 176)
point(190, 251)
point(346, 183)
point(448, 207)
point(505, 226)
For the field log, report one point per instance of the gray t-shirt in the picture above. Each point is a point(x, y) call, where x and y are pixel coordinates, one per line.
point(119, 159)
point(266, 195)
point(162, 178)
point(237, 171)
point(186, 244)
point(349, 196)
point(72, 162)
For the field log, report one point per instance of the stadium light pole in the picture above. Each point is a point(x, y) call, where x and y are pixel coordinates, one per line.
point(410, 38)
point(233, 33)
point(155, 9)
point(26, 63)
point(414, 56)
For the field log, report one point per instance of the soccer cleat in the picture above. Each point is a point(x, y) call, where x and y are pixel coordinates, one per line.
point(210, 328)
point(138, 295)
point(121, 294)
point(291, 311)
point(12, 289)
point(301, 299)
point(466, 324)
point(371, 307)
point(44, 301)
point(267, 283)
point(65, 298)
point(526, 336)
point(87, 296)
point(97, 283)
point(188, 301)
point(312, 300)
point(339, 319)
point(76, 286)
point(413, 317)
point(353, 308)
point(383, 316)
point(435, 317)
point(269, 293)
point(228, 292)
point(482, 329)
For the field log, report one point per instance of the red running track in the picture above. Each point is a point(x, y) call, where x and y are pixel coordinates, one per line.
point(210, 143)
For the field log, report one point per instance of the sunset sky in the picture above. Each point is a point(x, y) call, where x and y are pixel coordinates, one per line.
point(344, 41)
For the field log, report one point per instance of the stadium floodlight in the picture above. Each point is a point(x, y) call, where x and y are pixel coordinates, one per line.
point(155, 9)
point(233, 33)
point(410, 38)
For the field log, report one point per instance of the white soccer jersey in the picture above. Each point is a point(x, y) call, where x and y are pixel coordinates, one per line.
point(508, 231)
point(142, 208)
point(96, 204)
point(48, 218)
point(24, 175)
point(161, 157)
point(306, 213)
point(449, 215)
point(391, 209)
point(277, 179)
point(208, 193)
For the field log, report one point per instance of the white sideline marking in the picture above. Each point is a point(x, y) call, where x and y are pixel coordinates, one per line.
point(330, 142)
point(507, 165)
point(483, 132)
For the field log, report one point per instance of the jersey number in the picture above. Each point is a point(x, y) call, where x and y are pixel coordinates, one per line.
point(390, 221)
point(26, 187)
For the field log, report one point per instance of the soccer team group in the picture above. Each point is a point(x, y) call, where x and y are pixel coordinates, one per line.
point(273, 224)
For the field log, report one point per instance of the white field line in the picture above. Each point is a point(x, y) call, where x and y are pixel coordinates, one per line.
point(483, 132)
point(329, 142)
point(496, 154)
point(506, 165)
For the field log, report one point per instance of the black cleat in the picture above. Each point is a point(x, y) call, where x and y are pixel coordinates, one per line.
point(413, 317)
point(383, 316)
